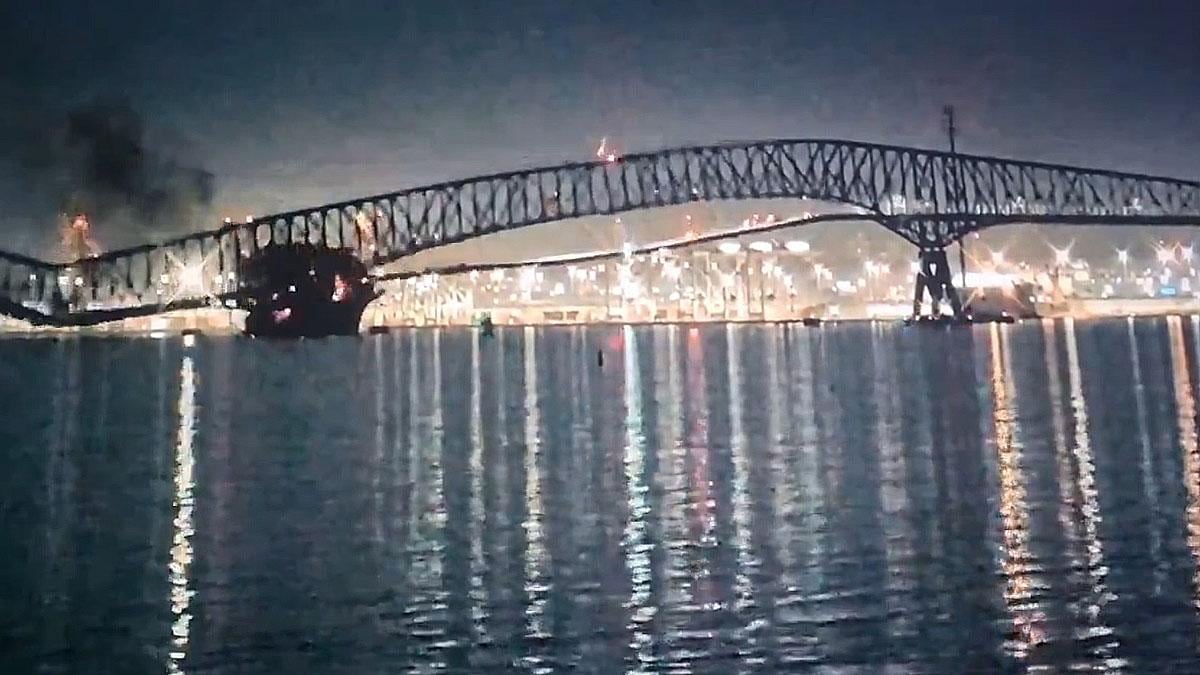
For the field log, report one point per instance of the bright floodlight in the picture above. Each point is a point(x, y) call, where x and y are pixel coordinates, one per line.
point(1062, 256)
point(797, 246)
point(527, 277)
point(761, 246)
point(729, 247)
point(191, 277)
point(1164, 254)
point(1186, 252)
point(997, 257)
point(1122, 256)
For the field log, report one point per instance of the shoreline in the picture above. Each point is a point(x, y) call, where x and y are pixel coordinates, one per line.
point(366, 331)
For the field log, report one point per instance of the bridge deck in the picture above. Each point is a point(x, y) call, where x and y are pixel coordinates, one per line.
point(929, 197)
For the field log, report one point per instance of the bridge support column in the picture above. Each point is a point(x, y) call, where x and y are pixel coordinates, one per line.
point(933, 275)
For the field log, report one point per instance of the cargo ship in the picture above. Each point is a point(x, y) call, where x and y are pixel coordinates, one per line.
point(301, 290)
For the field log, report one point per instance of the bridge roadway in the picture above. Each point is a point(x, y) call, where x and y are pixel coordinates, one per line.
point(928, 197)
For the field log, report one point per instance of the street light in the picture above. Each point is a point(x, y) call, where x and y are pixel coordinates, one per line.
point(872, 270)
point(1165, 254)
point(1062, 256)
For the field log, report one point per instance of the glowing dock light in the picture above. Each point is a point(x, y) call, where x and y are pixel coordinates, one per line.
point(526, 279)
point(1062, 256)
point(761, 246)
point(1164, 254)
point(797, 246)
point(729, 247)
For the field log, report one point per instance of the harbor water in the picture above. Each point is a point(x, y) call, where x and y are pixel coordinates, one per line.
point(711, 499)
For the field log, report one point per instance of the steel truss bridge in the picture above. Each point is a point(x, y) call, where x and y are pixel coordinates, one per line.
point(930, 198)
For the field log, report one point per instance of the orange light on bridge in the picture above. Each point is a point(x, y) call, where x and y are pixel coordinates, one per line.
point(604, 152)
point(77, 241)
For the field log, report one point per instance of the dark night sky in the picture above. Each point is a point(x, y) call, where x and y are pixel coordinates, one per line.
point(290, 106)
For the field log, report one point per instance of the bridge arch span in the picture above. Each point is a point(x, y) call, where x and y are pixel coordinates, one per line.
point(930, 198)
point(879, 179)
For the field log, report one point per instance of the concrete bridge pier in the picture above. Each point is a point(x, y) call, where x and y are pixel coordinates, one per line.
point(934, 277)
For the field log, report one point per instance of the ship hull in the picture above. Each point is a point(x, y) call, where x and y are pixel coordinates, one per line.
point(300, 291)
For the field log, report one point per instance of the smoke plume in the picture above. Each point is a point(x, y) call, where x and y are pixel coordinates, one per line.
point(96, 159)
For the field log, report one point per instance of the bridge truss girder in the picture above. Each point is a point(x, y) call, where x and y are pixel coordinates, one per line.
point(928, 197)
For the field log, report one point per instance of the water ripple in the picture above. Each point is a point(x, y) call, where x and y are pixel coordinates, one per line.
point(708, 500)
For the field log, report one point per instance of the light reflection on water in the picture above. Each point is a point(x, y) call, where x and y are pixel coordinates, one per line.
point(710, 499)
point(1185, 406)
point(181, 546)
